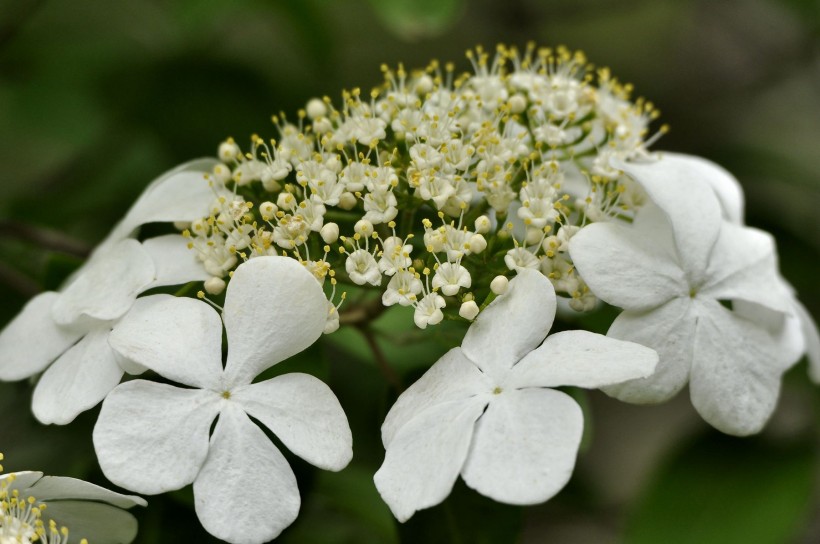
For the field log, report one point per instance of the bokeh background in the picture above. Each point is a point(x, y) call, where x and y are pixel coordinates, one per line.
point(97, 98)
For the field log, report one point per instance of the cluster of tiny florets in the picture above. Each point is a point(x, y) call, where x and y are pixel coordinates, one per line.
point(433, 184)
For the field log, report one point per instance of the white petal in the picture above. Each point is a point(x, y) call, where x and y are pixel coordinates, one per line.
point(246, 492)
point(55, 488)
point(669, 330)
point(524, 447)
point(583, 359)
point(423, 460)
point(22, 480)
point(513, 324)
point(77, 381)
point(175, 263)
point(107, 285)
point(633, 267)
point(725, 186)
point(736, 370)
point(274, 309)
point(179, 338)
point(33, 340)
point(678, 185)
point(152, 437)
point(305, 415)
point(786, 329)
point(811, 337)
point(743, 266)
point(97, 522)
point(181, 194)
point(453, 377)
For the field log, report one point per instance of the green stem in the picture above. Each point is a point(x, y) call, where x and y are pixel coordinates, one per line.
point(381, 361)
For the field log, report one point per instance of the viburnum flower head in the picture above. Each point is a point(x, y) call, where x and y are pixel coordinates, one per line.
point(47, 507)
point(70, 328)
point(153, 437)
point(674, 272)
point(487, 410)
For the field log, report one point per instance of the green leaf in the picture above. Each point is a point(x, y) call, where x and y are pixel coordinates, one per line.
point(725, 490)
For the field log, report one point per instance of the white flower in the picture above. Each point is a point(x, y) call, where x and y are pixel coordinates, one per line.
point(428, 310)
point(402, 288)
point(152, 437)
point(670, 271)
point(362, 268)
point(451, 277)
point(395, 255)
point(485, 410)
point(798, 335)
point(88, 511)
point(71, 328)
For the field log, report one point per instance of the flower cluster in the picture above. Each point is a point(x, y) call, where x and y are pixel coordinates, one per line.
point(502, 165)
point(481, 197)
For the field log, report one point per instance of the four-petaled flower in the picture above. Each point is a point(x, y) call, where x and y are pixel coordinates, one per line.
point(674, 272)
point(70, 328)
point(153, 437)
point(487, 410)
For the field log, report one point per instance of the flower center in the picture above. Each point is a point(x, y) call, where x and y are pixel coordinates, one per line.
point(226, 394)
point(497, 391)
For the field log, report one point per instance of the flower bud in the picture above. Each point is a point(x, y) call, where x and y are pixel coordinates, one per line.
point(329, 233)
point(214, 285)
point(483, 224)
point(533, 236)
point(477, 243)
point(316, 108)
point(347, 201)
point(468, 310)
point(499, 285)
point(517, 103)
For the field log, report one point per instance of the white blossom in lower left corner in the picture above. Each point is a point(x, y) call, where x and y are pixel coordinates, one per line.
point(47, 507)
point(488, 411)
point(153, 437)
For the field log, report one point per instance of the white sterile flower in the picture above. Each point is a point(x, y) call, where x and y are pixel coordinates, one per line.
point(798, 334)
point(362, 268)
point(51, 506)
point(485, 410)
point(451, 277)
point(71, 328)
point(670, 271)
point(428, 310)
point(153, 437)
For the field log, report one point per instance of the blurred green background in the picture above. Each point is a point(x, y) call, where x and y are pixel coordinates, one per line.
point(97, 98)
